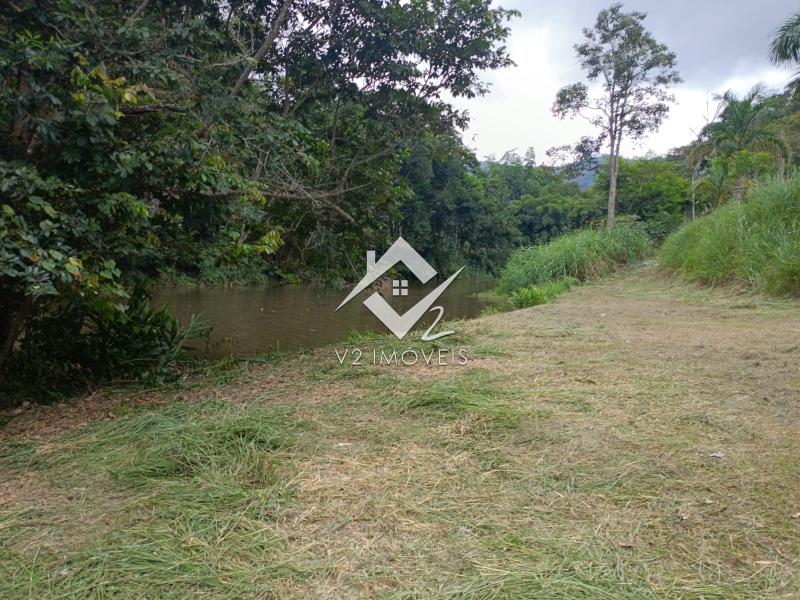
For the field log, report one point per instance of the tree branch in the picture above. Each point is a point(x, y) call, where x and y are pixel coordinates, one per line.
point(137, 12)
point(150, 108)
point(262, 51)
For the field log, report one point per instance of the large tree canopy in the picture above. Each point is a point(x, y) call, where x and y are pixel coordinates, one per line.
point(198, 134)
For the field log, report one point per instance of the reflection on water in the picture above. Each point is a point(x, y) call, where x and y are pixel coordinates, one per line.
point(253, 320)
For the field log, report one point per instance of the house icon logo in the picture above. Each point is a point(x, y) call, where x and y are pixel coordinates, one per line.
point(400, 325)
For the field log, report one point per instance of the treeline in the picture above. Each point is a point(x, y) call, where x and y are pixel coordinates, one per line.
point(462, 211)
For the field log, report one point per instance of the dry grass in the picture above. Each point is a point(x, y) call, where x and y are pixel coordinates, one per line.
point(635, 439)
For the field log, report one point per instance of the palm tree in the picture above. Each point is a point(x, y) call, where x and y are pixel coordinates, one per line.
point(743, 125)
point(739, 124)
point(717, 182)
point(785, 48)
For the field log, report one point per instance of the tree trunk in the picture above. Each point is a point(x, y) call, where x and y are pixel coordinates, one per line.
point(738, 188)
point(10, 328)
point(612, 187)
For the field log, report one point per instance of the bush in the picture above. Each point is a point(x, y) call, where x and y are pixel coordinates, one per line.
point(66, 348)
point(579, 255)
point(756, 242)
point(541, 294)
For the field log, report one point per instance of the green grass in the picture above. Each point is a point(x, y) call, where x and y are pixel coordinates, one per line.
point(189, 444)
point(580, 255)
point(756, 242)
point(541, 294)
point(567, 570)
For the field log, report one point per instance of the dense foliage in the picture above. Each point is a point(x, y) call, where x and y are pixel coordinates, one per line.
point(752, 136)
point(656, 191)
point(755, 242)
point(252, 139)
point(201, 137)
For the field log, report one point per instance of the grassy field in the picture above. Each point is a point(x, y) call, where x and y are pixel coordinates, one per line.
point(635, 438)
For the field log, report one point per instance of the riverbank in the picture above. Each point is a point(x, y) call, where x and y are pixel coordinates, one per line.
point(635, 438)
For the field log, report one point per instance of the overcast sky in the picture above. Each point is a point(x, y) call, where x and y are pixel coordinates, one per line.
point(720, 44)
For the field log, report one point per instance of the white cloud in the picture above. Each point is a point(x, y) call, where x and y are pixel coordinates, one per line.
point(694, 107)
point(516, 112)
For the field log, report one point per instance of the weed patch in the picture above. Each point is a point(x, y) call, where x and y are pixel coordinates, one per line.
point(541, 294)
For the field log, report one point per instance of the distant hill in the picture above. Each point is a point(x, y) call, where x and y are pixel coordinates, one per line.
point(586, 178)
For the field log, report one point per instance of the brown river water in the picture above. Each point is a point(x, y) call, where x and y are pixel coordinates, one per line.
point(248, 321)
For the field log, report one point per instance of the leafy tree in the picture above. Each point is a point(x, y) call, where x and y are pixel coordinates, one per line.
point(635, 72)
point(655, 190)
point(529, 160)
point(449, 216)
point(554, 212)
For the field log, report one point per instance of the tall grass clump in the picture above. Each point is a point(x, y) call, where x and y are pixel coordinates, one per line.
point(579, 255)
point(755, 242)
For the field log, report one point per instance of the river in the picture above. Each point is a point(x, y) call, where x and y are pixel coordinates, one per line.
point(248, 321)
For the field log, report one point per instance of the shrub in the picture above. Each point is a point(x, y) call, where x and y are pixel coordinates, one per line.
point(580, 255)
point(756, 242)
point(62, 350)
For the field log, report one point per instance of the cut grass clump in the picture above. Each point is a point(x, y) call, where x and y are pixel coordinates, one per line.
point(541, 294)
point(474, 392)
point(204, 441)
point(756, 242)
point(232, 557)
point(563, 570)
point(580, 255)
point(235, 444)
point(183, 505)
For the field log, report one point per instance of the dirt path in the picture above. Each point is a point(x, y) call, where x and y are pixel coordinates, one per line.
point(635, 439)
